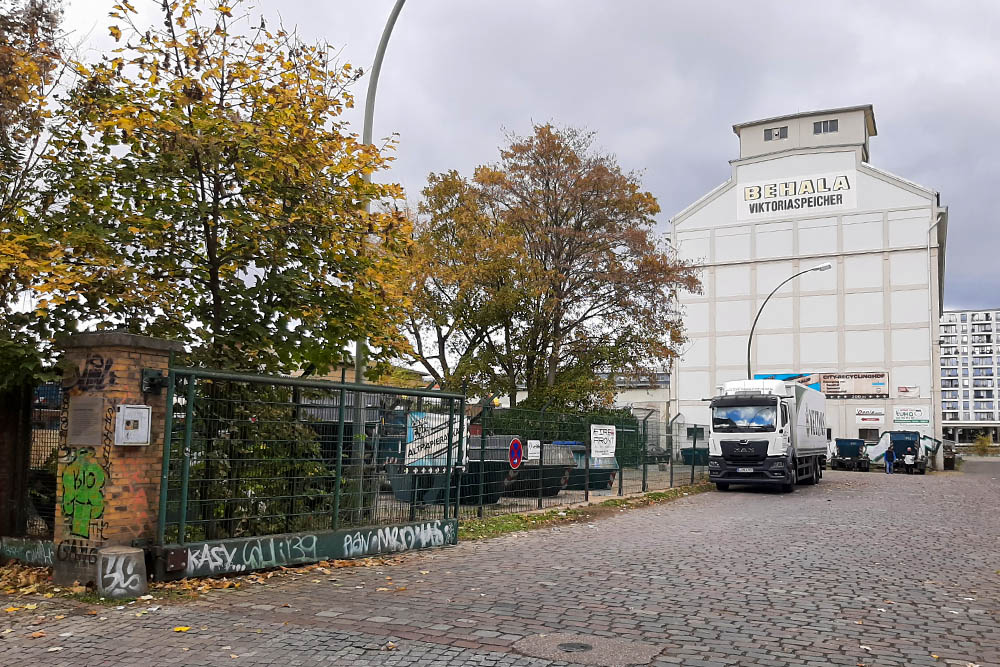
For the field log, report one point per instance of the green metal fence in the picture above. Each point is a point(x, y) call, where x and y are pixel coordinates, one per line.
point(559, 465)
point(249, 455)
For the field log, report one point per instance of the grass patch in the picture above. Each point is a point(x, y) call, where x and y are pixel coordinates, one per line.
point(494, 526)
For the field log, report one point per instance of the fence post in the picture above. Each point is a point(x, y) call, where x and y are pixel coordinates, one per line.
point(541, 469)
point(645, 454)
point(670, 442)
point(586, 472)
point(186, 465)
point(482, 460)
point(621, 468)
point(168, 427)
point(694, 450)
point(340, 453)
point(447, 472)
point(460, 462)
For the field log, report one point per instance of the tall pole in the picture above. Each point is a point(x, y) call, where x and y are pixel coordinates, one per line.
point(360, 351)
point(821, 267)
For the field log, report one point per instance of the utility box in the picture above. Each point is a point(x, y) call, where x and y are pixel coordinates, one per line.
point(132, 425)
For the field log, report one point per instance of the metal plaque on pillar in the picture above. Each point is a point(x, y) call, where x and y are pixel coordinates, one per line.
point(86, 421)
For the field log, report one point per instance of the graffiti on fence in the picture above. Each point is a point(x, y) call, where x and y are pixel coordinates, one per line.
point(254, 554)
point(257, 553)
point(83, 491)
point(34, 552)
point(394, 539)
point(122, 574)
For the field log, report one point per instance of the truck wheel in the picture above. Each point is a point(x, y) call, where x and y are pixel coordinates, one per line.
point(722, 486)
point(789, 486)
point(814, 478)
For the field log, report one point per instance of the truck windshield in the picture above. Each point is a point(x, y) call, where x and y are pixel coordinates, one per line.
point(743, 418)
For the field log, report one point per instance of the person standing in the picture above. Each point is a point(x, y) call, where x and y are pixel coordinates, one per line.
point(890, 459)
point(908, 460)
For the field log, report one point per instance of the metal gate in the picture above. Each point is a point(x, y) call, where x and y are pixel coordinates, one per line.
point(250, 455)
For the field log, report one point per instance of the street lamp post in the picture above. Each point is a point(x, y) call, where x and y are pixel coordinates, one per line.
point(822, 267)
point(366, 136)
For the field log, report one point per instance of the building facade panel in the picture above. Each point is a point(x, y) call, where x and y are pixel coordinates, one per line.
point(790, 205)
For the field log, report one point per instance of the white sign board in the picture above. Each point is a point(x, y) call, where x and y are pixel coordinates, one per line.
point(908, 391)
point(870, 416)
point(534, 449)
point(809, 194)
point(132, 425)
point(427, 436)
point(911, 415)
point(602, 440)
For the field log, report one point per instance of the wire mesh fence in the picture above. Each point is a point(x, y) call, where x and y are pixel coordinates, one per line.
point(526, 460)
point(39, 506)
point(253, 456)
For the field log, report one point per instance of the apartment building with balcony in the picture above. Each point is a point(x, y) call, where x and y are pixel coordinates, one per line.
point(970, 369)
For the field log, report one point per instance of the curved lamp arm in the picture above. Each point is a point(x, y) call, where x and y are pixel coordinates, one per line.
point(822, 267)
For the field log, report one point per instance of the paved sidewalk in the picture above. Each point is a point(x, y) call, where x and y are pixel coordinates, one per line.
point(864, 569)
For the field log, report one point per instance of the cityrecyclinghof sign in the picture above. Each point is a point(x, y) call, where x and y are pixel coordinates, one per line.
point(801, 195)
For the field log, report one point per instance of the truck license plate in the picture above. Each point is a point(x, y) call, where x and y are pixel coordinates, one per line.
point(744, 470)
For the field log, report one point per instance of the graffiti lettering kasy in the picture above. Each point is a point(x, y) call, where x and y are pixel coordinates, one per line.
point(83, 492)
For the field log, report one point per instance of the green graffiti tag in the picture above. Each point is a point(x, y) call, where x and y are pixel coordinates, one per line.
point(83, 492)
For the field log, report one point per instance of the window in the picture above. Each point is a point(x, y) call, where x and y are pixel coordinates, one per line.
point(784, 415)
point(965, 371)
point(984, 416)
point(825, 126)
point(949, 405)
point(949, 372)
point(949, 394)
point(868, 434)
point(980, 372)
point(965, 318)
point(952, 383)
point(949, 416)
point(773, 133)
point(982, 393)
point(982, 361)
point(977, 383)
point(950, 361)
point(965, 383)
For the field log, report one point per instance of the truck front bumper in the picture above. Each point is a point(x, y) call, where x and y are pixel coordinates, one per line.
point(773, 470)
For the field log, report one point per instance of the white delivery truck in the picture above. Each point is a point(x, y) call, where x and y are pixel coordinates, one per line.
point(767, 432)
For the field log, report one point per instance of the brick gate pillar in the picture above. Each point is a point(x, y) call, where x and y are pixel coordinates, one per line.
point(107, 494)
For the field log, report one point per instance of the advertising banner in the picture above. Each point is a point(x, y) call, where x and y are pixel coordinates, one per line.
point(427, 436)
point(870, 416)
point(874, 384)
point(602, 440)
point(911, 415)
point(812, 194)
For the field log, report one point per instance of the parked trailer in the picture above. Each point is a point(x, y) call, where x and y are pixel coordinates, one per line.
point(767, 432)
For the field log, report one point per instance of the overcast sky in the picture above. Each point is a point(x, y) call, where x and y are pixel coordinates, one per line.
point(663, 82)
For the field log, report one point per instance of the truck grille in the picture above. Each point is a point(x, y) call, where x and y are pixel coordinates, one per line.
point(744, 450)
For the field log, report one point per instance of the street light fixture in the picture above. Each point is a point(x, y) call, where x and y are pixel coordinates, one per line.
point(360, 351)
point(826, 266)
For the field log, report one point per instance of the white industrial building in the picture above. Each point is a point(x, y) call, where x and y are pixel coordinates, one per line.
point(970, 368)
point(802, 193)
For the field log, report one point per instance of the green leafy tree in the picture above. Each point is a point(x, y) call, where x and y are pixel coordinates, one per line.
point(208, 157)
point(555, 279)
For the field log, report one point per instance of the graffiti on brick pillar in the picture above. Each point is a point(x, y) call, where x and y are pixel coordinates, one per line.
point(83, 492)
point(120, 575)
point(393, 539)
point(97, 374)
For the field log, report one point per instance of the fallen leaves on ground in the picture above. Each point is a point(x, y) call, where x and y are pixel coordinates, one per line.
point(38, 634)
point(182, 628)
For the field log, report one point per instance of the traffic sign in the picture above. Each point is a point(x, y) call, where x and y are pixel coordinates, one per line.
point(515, 454)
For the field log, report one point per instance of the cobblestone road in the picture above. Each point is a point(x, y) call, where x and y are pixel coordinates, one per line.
point(864, 569)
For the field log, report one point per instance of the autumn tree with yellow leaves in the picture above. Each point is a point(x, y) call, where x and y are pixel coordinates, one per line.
point(223, 196)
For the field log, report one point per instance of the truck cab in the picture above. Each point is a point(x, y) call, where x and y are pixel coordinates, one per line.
point(767, 432)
